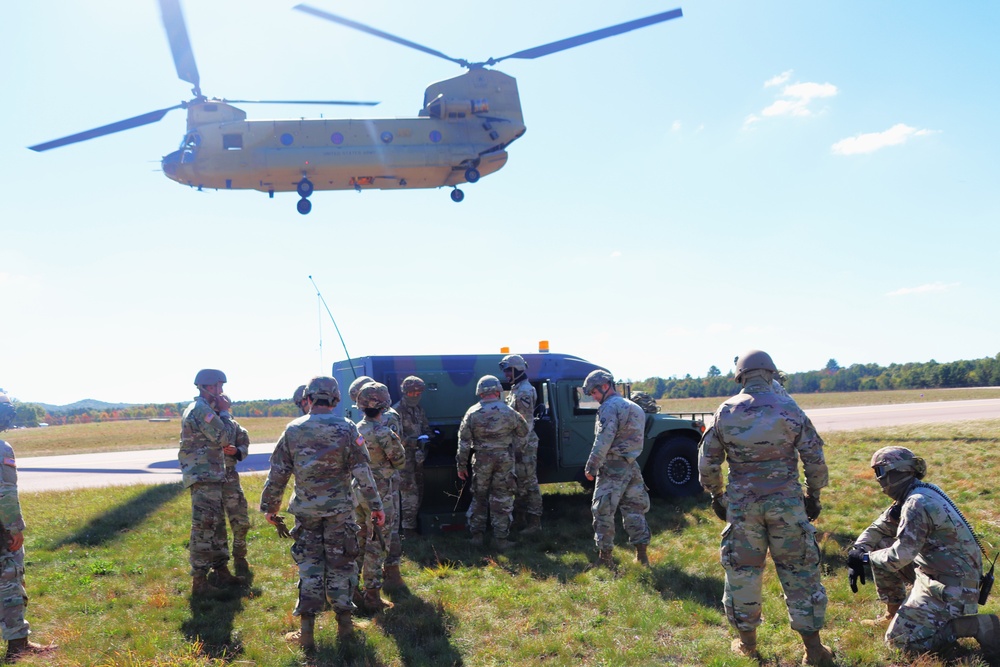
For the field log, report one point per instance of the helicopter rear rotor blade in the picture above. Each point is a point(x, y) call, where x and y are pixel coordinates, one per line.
point(180, 43)
point(586, 38)
point(326, 102)
point(376, 32)
point(129, 123)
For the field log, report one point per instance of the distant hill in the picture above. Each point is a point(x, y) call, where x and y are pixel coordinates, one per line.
point(85, 404)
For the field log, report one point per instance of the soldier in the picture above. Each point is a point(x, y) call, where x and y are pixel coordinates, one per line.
point(922, 539)
point(387, 457)
point(646, 402)
point(323, 452)
point(299, 399)
point(233, 498)
point(618, 441)
point(416, 433)
point(522, 398)
point(490, 427)
point(15, 628)
point(206, 430)
point(763, 435)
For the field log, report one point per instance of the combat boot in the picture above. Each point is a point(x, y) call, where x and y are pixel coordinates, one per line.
point(304, 635)
point(604, 559)
point(502, 544)
point(392, 578)
point(477, 539)
point(640, 555)
point(746, 644)
point(534, 525)
point(373, 602)
point(518, 519)
point(21, 647)
point(224, 577)
point(984, 627)
point(344, 624)
point(816, 652)
point(200, 586)
point(882, 621)
point(241, 565)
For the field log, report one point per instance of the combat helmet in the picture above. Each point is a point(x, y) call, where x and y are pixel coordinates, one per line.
point(374, 396)
point(753, 360)
point(902, 459)
point(515, 361)
point(7, 412)
point(596, 379)
point(488, 384)
point(323, 388)
point(300, 393)
point(356, 386)
point(412, 383)
point(209, 376)
point(646, 402)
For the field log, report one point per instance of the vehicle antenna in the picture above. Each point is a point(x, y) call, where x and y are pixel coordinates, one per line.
point(346, 353)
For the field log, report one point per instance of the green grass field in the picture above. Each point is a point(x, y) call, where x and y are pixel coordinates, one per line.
point(108, 578)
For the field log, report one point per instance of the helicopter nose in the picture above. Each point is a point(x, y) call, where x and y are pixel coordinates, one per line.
point(170, 163)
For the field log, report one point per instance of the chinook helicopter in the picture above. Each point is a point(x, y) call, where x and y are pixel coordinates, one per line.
point(460, 134)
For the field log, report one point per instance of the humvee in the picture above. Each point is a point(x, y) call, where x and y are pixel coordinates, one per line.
point(564, 422)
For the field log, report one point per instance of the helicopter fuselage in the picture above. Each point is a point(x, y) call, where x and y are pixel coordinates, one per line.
point(466, 123)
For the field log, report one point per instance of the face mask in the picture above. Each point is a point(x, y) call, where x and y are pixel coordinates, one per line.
point(895, 483)
point(411, 401)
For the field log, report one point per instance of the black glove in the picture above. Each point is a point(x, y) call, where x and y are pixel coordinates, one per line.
point(719, 506)
point(813, 508)
point(856, 567)
point(279, 525)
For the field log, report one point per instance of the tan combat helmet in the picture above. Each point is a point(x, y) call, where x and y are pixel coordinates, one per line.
point(374, 396)
point(753, 360)
point(488, 384)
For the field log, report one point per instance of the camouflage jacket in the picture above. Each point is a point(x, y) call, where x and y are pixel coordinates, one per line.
point(394, 422)
point(522, 398)
point(488, 425)
point(203, 435)
point(385, 449)
point(619, 433)
point(929, 533)
point(414, 422)
point(763, 435)
point(242, 447)
point(324, 453)
point(10, 507)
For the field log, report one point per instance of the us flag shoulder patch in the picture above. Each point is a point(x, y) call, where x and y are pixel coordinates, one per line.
point(209, 417)
point(9, 461)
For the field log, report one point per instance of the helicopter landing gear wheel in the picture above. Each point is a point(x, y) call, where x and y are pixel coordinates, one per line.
point(472, 174)
point(304, 206)
point(304, 188)
point(457, 195)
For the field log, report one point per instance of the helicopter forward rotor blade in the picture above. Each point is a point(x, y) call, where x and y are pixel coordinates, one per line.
point(180, 43)
point(328, 102)
point(377, 33)
point(570, 42)
point(128, 124)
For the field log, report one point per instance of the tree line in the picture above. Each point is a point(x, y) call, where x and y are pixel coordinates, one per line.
point(856, 377)
point(31, 414)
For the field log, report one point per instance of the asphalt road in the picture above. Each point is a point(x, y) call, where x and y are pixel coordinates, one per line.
point(156, 466)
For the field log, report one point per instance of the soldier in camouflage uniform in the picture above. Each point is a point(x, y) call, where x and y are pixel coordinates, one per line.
point(922, 539)
point(646, 402)
point(299, 399)
point(522, 398)
point(233, 498)
point(491, 428)
point(324, 453)
point(618, 441)
point(416, 433)
point(763, 435)
point(15, 628)
point(206, 429)
point(387, 457)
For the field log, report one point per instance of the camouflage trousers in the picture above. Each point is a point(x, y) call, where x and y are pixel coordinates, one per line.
point(528, 496)
point(411, 487)
point(920, 624)
point(372, 556)
point(363, 516)
point(619, 488)
point(236, 509)
point(891, 586)
point(493, 487)
point(777, 524)
point(325, 551)
point(13, 595)
point(209, 545)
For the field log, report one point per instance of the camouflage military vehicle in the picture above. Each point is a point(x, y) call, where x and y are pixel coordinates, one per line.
point(564, 422)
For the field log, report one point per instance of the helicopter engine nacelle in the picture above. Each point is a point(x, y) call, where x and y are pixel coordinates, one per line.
point(213, 111)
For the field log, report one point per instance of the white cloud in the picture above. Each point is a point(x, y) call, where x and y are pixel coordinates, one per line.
point(616, 253)
point(793, 100)
point(929, 288)
point(778, 79)
point(676, 126)
point(873, 141)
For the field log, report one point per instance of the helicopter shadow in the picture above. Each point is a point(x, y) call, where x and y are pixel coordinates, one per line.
point(122, 518)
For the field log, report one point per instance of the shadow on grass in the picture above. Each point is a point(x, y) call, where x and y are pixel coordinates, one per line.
point(420, 630)
point(211, 621)
point(122, 518)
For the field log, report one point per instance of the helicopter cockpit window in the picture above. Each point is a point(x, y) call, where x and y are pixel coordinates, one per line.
point(191, 141)
point(232, 142)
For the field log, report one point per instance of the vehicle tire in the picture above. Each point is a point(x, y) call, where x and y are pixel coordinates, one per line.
point(672, 471)
point(304, 187)
point(304, 206)
point(472, 175)
point(457, 195)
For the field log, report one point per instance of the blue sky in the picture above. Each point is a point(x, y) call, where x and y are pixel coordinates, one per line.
point(815, 179)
